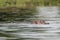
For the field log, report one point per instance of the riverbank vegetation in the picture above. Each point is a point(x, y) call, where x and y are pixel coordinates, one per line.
point(46, 2)
point(20, 3)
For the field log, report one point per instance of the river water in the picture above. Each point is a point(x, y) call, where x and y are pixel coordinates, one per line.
point(27, 31)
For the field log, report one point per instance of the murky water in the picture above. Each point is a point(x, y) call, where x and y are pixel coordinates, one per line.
point(25, 31)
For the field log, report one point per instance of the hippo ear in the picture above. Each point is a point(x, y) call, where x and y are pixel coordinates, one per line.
point(42, 21)
point(34, 22)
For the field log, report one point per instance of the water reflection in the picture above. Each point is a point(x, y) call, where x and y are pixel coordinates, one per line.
point(35, 32)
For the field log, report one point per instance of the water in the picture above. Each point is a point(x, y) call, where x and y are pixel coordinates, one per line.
point(25, 31)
